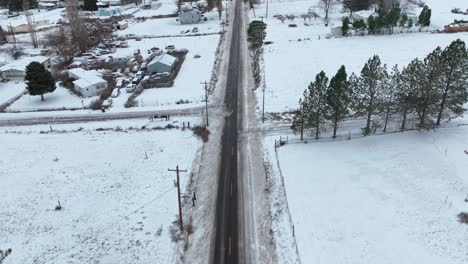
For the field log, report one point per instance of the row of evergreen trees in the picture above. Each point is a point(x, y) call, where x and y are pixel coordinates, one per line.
point(386, 20)
point(429, 90)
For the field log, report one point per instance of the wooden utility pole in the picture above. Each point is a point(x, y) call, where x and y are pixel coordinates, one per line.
point(181, 223)
point(206, 101)
point(263, 103)
point(266, 15)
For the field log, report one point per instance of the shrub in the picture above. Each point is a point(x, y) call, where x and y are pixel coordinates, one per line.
point(131, 102)
point(463, 217)
point(96, 104)
point(201, 132)
point(106, 93)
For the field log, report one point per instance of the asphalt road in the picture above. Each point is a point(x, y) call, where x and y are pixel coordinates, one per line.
point(80, 118)
point(226, 248)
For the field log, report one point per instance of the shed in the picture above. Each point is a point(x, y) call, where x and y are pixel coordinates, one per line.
point(17, 69)
point(162, 63)
point(190, 17)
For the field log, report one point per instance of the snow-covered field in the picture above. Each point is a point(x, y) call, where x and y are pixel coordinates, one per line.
point(380, 199)
point(51, 16)
point(290, 64)
point(166, 7)
point(118, 205)
point(169, 26)
point(60, 98)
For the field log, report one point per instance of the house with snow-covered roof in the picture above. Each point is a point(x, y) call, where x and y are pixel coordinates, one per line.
point(162, 63)
point(16, 70)
point(88, 83)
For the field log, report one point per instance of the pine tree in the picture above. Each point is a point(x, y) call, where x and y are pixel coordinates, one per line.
point(338, 98)
point(372, 25)
point(408, 88)
point(390, 88)
point(403, 20)
point(355, 5)
point(39, 80)
point(392, 17)
point(426, 95)
point(424, 19)
point(453, 86)
point(410, 23)
point(90, 5)
point(299, 120)
point(316, 103)
point(372, 80)
point(345, 27)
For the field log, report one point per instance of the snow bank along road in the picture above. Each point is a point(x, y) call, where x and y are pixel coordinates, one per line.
point(64, 119)
point(226, 247)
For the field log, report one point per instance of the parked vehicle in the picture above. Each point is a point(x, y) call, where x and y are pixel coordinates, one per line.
point(130, 88)
point(170, 48)
point(115, 93)
point(195, 30)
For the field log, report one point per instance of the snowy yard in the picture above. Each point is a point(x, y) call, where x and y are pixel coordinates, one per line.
point(167, 7)
point(193, 71)
point(291, 64)
point(381, 199)
point(60, 98)
point(169, 26)
point(118, 206)
point(9, 90)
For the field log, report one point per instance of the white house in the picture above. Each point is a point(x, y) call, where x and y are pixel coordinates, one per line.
point(16, 70)
point(88, 83)
point(192, 16)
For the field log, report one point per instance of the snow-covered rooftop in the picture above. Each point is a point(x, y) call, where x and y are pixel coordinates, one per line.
point(164, 59)
point(85, 78)
point(21, 64)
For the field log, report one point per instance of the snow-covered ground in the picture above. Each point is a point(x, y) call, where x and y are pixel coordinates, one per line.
point(51, 16)
point(118, 205)
point(380, 199)
point(9, 90)
point(60, 98)
point(169, 26)
point(297, 54)
point(166, 7)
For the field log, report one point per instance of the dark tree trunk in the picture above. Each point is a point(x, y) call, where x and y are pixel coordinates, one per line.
point(42, 97)
point(335, 126)
point(369, 114)
point(386, 119)
point(442, 104)
point(403, 123)
point(317, 126)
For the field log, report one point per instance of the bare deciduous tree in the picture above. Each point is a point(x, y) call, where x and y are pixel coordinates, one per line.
point(78, 29)
point(326, 4)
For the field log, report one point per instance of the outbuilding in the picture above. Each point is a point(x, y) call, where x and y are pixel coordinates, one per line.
point(17, 69)
point(88, 83)
point(162, 63)
point(190, 17)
